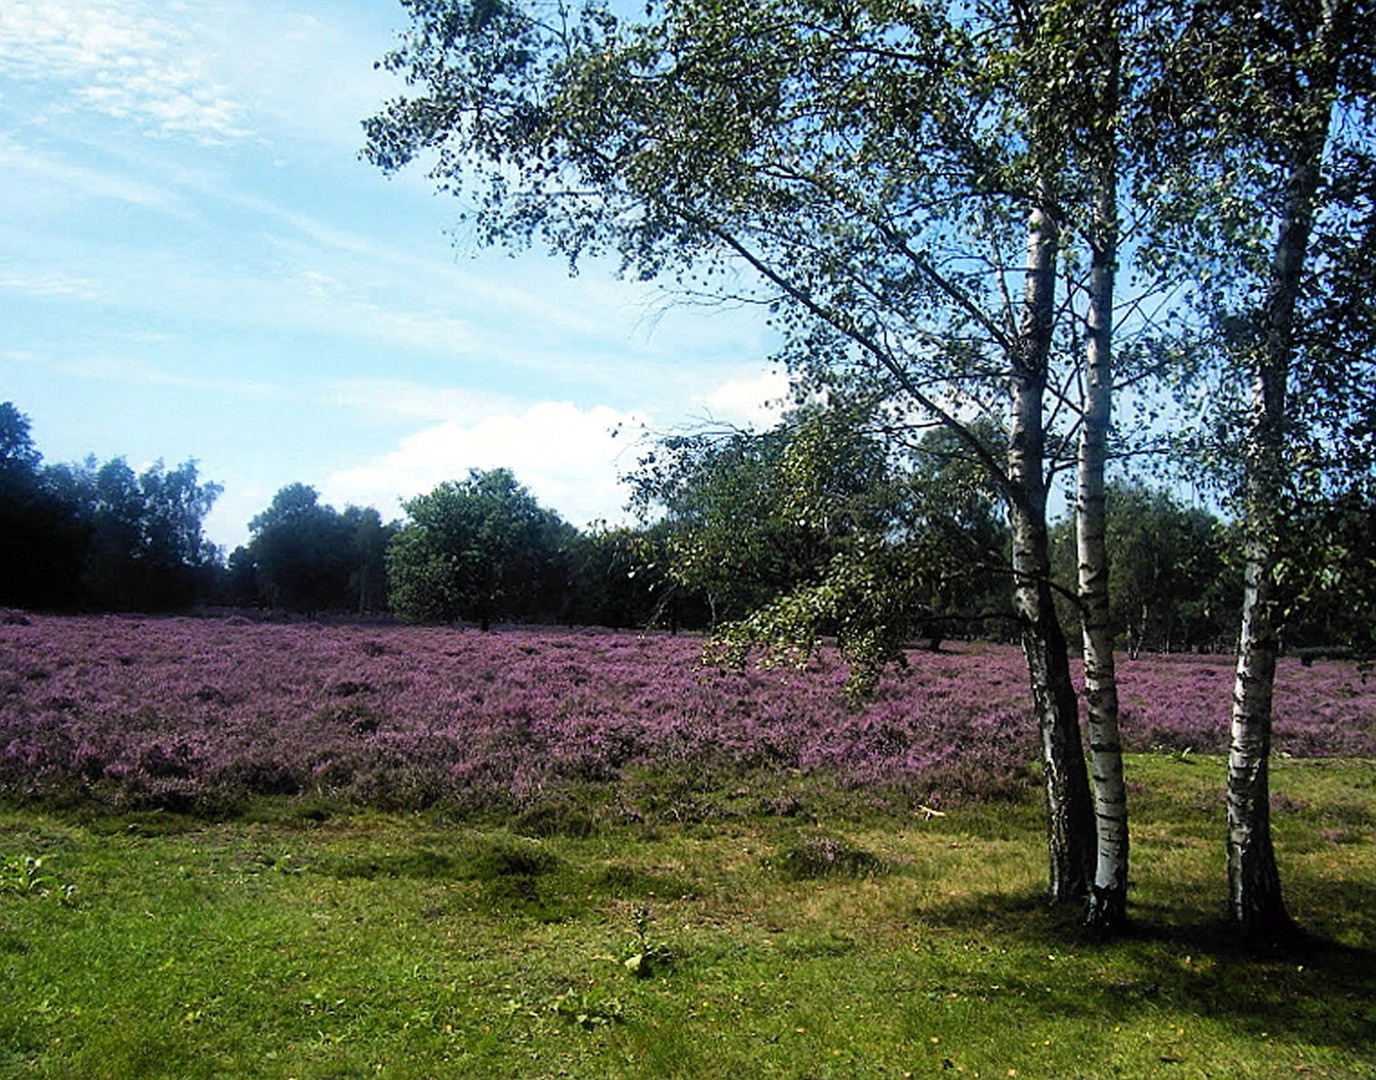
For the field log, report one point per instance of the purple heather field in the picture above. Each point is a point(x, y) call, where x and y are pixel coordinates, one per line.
point(179, 712)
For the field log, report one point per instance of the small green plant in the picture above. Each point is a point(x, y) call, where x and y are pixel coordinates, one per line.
point(649, 957)
point(590, 1009)
point(24, 876)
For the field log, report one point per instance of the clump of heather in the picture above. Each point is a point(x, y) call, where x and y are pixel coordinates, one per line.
point(201, 714)
point(1183, 702)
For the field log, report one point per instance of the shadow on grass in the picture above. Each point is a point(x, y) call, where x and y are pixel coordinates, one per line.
point(1305, 986)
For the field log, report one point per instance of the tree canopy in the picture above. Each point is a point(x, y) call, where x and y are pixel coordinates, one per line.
point(931, 199)
point(481, 549)
point(895, 183)
point(99, 535)
point(306, 556)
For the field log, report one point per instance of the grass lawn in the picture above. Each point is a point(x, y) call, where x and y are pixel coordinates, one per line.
point(297, 943)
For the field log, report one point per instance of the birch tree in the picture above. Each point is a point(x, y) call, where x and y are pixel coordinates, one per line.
point(896, 184)
point(1275, 120)
point(1108, 894)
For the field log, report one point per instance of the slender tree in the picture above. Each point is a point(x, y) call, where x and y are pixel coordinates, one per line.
point(1101, 120)
point(898, 184)
point(1274, 115)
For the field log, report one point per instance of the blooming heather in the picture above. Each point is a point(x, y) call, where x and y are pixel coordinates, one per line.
point(182, 713)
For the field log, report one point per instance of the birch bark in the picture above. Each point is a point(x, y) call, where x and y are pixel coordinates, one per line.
point(1107, 909)
point(1070, 822)
point(1254, 888)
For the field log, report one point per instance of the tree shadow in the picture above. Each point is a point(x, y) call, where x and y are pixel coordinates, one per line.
point(1306, 986)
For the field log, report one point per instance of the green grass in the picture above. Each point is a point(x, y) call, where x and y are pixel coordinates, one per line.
point(869, 945)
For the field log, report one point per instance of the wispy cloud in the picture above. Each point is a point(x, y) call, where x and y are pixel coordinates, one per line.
point(48, 284)
point(122, 59)
point(51, 178)
point(397, 399)
point(124, 368)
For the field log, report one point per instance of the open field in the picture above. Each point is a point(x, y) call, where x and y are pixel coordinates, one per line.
point(204, 715)
point(305, 851)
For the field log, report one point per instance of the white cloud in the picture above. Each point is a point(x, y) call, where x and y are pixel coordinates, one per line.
point(122, 59)
point(227, 522)
point(566, 455)
point(50, 283)
point(757, 401)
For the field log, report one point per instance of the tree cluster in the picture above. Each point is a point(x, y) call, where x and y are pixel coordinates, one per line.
point(1174, 584)
point(303, 556)
point(101, 536)
point(820, 527)
point(1011, 213)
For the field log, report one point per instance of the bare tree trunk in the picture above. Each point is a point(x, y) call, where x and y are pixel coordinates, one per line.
point(1254, 889)
point(1107, 910)
point(1070, 819)
point(1108, 899)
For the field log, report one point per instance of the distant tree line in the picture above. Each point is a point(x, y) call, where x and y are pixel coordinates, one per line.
point(304, 556)
point(817, 522)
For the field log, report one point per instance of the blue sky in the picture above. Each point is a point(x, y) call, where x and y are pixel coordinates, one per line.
point(196, 264)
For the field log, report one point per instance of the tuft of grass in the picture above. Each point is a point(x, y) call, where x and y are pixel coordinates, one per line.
point(828, 856)
point(408, 946)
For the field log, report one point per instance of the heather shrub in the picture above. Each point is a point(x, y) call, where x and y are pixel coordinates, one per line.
point(511, 858)
point(557, 816)
point(203, 716)
point(815, 857)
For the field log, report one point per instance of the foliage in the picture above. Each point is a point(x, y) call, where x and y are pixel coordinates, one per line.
point(925, 554)
point(621, 578)
point(23, 874)
point(306, 556)
point(480, 549)
point(650, 958)
point(751, 517)
point(42, 540)
point(1268, 101)
point(146, 537)
point(19, 458)
point(99, 535)
point(878, 176)
point(1328, 576)
point(1175, 584)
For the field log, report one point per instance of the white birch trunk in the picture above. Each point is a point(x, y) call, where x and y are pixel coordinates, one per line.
point(1108, 898)
point(1070, 821)
point(1107, 909)
point(1254, 888)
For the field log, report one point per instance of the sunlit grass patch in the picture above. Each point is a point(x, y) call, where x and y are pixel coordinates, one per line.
point(419, 945)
